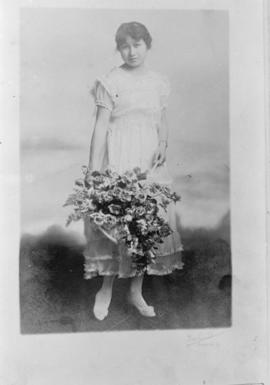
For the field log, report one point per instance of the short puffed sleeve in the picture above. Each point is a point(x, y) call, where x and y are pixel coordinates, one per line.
point(165, 90)
point(103, 94)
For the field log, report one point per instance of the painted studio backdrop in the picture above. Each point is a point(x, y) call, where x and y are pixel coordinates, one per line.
point(62, 51)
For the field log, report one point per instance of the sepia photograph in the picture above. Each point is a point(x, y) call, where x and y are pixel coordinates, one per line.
point(133, 155)
point(132, 108)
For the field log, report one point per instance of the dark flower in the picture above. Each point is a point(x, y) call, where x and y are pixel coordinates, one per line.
point(165, 230)
point(140, 211)
point(121, 183)
point(95, 174)
point(114, 209)
point(79, 182)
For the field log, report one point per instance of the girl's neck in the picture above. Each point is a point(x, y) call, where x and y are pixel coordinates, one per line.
point(134, 70)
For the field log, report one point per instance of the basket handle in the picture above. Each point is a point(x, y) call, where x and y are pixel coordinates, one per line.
point(111, 238)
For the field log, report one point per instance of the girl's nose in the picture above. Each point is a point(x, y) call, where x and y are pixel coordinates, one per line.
point(132, 50)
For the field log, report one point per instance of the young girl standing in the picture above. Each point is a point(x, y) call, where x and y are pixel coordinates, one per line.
point(130, 131)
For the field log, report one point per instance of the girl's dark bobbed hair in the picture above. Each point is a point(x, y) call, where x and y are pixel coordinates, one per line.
point(135, 30)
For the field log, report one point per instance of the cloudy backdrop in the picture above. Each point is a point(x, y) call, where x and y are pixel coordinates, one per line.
point(61, 53)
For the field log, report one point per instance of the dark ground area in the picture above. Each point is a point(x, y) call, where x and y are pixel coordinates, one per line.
point(55, 298)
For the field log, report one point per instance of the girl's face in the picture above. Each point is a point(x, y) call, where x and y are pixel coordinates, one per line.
point(133, 52)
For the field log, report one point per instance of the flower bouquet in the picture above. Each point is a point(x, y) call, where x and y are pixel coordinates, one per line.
point(125, 208)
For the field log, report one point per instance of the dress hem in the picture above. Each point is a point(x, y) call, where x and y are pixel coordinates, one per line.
point(92, 270)
point(96, 273)
point(104, 258)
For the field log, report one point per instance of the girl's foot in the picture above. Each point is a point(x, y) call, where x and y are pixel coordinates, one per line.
point(103, 298)
point(102, 303)
point(138, 301)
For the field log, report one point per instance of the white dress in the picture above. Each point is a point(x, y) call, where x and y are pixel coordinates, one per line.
point(136, 103)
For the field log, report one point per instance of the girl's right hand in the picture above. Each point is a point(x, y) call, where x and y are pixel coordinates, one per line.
point(160, 154)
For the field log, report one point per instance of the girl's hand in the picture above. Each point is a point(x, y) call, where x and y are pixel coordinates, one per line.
point(160, 154)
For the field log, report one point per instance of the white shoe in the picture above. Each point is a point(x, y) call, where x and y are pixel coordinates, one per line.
point(141, 306)
point(101, 306)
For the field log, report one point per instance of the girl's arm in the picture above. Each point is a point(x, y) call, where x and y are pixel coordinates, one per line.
point(163, 129)
point(160, 154)
point(99, 142)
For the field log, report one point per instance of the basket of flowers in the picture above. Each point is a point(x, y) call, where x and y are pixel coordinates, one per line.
point(125, 208)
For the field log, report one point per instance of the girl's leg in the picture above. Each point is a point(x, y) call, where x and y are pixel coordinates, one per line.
point(103, 298)
point(135, 297)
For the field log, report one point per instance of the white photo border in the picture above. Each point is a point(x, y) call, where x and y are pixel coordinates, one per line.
point(234, 355)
